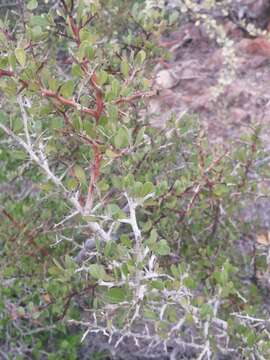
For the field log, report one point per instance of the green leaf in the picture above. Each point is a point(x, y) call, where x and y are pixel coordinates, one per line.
point(116, 295)
point(206, 310)
point(125, 240)
point(162, 187)
point(32, 4)
point(102, 77)
point(124, 67)
point(67, 89)
point(221, 190)
point(115, 211)
point(140, 136)
point(20, 310)
point(47, 187)
point(76, 70)
point(163, 248)
point(178, 187)
point(121, 138)
point(37, 32)
point(90, 129)
point(137, 189)
point(150, 314)
point(171, 314)
point(58, 264)
point(20, 56)
point(153, 236)
point(115, 88)
point(53, 84)
point(72, 184)
point(41, 20)
point(146, 226)
point(175, 271)
point(111, 154)
point(221, 277)
point(112, 112)
point(190, 283)
point(56, 123)
point(103, 185)
point(148, 188)
point(77, 122)
point(79, 173)
point(3, 116)
point(97, 271)
point(12, 60)
point(157, 284)
point(87, 36)
point(140, 57)
point(173, 17)
point(89, 52)
point(110, 249)
point(19, 155)
point(17, 124)
point(129, 181)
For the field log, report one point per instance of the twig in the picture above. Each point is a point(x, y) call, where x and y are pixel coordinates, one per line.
point(137, 95)
point(94, 177)
point(43, 164)
point(69, 102)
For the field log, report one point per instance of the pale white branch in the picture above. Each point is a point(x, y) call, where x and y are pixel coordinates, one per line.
point(42, 162)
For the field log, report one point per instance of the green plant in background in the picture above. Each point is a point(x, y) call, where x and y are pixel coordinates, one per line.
point(111, 231)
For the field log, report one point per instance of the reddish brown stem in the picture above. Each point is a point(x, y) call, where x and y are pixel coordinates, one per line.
point(8, 35)
point(31, 235)
point(70, 102)
point(75, 30)
point(94, 177)
point(88, 21)
point(6, 73)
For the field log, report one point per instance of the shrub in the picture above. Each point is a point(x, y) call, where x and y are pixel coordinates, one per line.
point(112, 230)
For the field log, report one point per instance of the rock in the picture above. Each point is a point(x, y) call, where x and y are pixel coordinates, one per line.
point(166, 79)
point(161, 107)
point(258, 46)
point(254, 11)
point(239, 116)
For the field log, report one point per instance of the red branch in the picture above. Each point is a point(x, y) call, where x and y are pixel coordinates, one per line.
point(70, 102)
point(30, 234)
point(95, 170)
point(96, 113)
point(75, 30)
point(99, 96)
point(12, 74)
point(6, 73)
point(7, 34)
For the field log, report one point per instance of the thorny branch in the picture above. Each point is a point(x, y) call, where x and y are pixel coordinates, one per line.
point(41, 160)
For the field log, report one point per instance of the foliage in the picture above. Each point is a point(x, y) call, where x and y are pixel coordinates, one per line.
point(112, 230)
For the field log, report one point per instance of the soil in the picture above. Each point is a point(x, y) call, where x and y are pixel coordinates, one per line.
point(190, 82)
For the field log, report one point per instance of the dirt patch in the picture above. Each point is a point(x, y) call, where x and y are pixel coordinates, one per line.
point(191, 81)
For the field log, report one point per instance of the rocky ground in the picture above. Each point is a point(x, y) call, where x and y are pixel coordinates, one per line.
point(192, 80)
